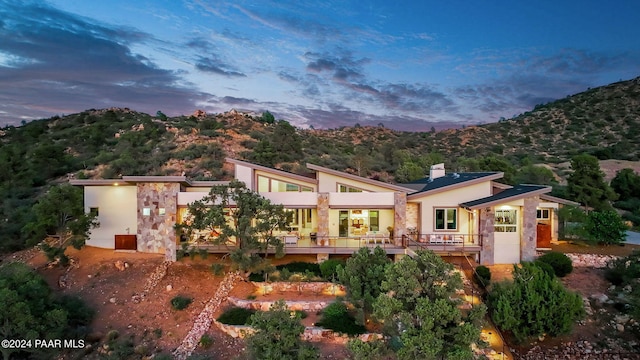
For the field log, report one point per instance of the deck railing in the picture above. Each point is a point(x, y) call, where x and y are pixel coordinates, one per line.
point(329, 244)
point(444, 242)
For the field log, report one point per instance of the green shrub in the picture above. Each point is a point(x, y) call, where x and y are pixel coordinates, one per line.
point(482, 276)
point(534, 304)
point(624, 270)
point(361, 350)
point(206, 341)
point(329, 268)
point(218, 269)
point(301, 267)
point(236, 316)
point(336, 317)
point(545, 267)
point(180, 302)
point(256, 276)
point(561, 264)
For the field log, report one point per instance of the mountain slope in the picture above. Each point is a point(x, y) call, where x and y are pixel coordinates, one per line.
point(109, 143)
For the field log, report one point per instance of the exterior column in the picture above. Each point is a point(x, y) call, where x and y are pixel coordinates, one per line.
point(399, 217)
point(529, 229)
point(156, 232)
point(487, 218)
point(323, 217)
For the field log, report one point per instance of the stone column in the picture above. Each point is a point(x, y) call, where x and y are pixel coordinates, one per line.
point(156, 232)
point(529, 229)
point(399, 217)
point(323, 216)
point(487, 218)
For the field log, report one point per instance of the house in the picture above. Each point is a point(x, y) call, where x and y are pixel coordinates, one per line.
point(336, 212)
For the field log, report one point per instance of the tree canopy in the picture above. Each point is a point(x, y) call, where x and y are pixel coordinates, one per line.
point(362, 275)
point(535, 303)
point(240, 218)
point(277, 335)
point(419, 307)
point(31, 311)
point(586, 183)
point(59, 214)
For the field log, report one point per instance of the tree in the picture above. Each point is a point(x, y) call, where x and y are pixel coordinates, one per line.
point(267, 118)
point(586, 183)
point(626, 184)
point(535, 303)
point(59, 214)
point(277, 335)
point(409, 171)
point(605, 227)
point(419, 307)
point(240, 217)
point(362, 275)
point(532, 174)
point(30, 311)
point(286, 142)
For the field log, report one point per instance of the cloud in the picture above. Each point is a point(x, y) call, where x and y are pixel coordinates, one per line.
point(60, 58)
point(214, 65)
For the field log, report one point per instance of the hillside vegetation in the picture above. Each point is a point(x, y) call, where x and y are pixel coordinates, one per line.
point(109, 143)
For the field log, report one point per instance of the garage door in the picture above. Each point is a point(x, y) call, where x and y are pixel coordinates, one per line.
point(507, 248)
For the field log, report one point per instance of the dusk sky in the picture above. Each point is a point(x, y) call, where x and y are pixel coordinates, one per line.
point(405, 64)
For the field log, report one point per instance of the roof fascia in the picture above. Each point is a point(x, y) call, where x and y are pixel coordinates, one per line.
point(273, 171)
point(99, 182)
point(511, 198)
point(559, 200)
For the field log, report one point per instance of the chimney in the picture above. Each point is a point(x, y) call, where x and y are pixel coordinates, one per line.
point(436, 171)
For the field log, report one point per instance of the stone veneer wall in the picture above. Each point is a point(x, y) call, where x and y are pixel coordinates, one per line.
point(400, 217)
point(323, 215)
point(487, 219)
point(529, 239)
point(156, 233)
point(413, 215)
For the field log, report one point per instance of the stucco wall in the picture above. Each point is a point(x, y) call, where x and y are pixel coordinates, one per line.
point(451, 199)
point(156, 233)
point(116, 213)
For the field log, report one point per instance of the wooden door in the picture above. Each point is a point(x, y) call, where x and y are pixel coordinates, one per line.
point(126, 242)
point(543, 236)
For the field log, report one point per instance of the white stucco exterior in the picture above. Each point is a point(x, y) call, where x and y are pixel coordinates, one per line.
point(117, 213)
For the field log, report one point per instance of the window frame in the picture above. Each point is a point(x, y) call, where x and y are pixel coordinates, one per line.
point(446, 210)
point(348, 188)
point(540, 214)
point(270, 180)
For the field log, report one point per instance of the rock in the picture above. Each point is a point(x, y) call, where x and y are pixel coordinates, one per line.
point(112, 300)
point(119, 265)
point(169, 287)
point(94, 337)
point(620, 327)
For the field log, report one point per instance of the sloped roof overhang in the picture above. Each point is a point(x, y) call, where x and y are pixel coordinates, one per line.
point(512, 194)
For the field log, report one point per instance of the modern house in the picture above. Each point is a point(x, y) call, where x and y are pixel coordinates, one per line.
point(337, 212)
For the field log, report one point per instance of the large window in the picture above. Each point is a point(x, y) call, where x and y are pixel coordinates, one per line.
point(266, 184)
point(506, 221)
point(446, 219)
